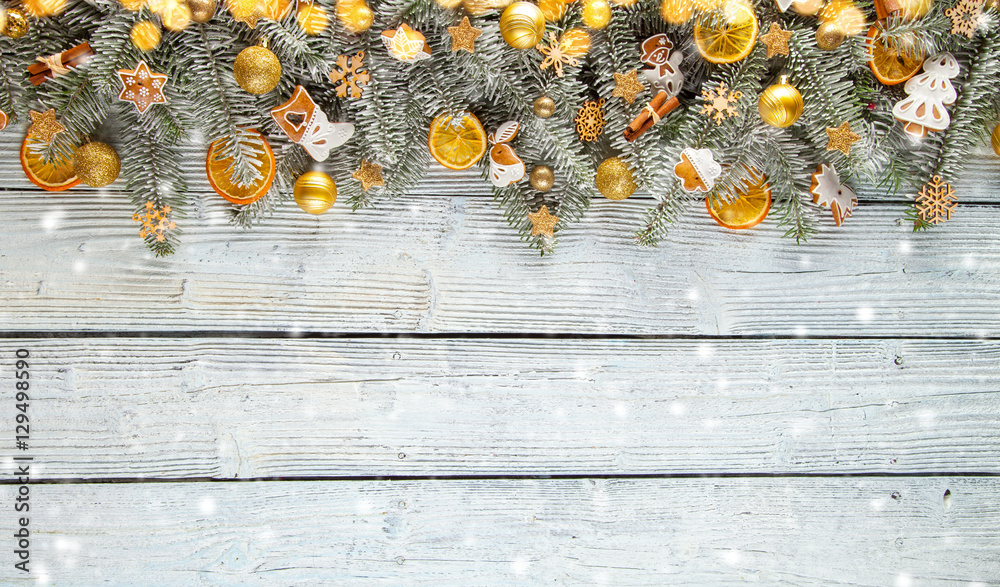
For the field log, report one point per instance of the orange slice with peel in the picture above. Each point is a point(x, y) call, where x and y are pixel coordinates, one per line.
point(726, 35)
point(54, 176)
point(238, 193)
point(748, 209)
point(457, 142)
point(893, 66)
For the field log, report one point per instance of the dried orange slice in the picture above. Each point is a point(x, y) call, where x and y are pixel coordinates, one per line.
point(728, 34)
point(237, 193)
point(893, 66)
point(748, 209)
point(457, 143)
point(54, 176)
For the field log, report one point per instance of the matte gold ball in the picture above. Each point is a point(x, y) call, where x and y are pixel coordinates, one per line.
point(995, 140)
point(15, 23)
point(145, 35)
point(315, 192)
point(542, 178)
point(596, 13)
point(257, 70)
point(544, 106)
point(780, 105)
point(614, 179)
point(829, 35)
point(312, 19)
point(522, 25)
point(202, 10)
point(96, 164)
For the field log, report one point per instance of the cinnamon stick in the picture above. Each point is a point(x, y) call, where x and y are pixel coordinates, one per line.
point(662, 109)
point(884, 8)
point(39, 72)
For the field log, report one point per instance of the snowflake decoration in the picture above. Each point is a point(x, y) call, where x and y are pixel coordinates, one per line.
point(348, 77)
point(590, 120)
point(155, 222)
point(720, 103)
point(936, 201)
point(965, 17)
point(555, 56)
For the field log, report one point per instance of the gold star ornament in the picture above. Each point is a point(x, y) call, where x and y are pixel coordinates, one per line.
point(627, 86)
point(542, 222)
point(44, 125)
point(369, 174)
point(464, 36)
point(841, 138)
point(142, 87)
point(776, 40)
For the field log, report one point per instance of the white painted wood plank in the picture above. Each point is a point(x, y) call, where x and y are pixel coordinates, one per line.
point(162, 408)
point(840, 531)
point(450, 264)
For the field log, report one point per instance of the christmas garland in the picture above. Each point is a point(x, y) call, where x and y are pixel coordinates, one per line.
point(747, 108)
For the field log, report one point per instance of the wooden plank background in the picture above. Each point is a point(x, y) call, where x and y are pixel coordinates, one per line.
point(408, 395)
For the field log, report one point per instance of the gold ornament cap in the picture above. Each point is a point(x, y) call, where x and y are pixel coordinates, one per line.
point(614, 179)
point(542, 178)
point(257, 70)
point(781, 104)
point(96, 164)
point(315, 192)
point(522, 25)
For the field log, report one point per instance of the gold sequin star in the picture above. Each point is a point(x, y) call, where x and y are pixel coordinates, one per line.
point(44, 125)
point(542, 222)
point(142, 87)
point(464, 36)
point(776, 40)
point(369, 174)
point(627, 86)
point(841, 138)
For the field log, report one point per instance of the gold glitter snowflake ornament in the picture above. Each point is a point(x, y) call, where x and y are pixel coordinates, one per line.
point(142, 87)
point(155, 222)
point(590, 120)
point(936, 201)
point(349, 75)
point(965, 17)
point(720, 103)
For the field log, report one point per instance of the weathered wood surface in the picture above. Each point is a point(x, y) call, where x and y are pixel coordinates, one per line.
point(73, 261)
point(841, 531)
point(238, 408)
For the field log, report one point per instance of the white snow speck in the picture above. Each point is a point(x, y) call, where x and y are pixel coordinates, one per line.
point(865, 314)
point(206, 506)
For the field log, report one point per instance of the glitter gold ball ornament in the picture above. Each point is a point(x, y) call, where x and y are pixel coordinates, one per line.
point(145, 35)
point(96, 164)
point(315, 192)
point(257, 70)
point(355, 15)
point(312, 19)
point(614, 179)
point(995, 140)
point(781, 104)
point(596, 13)
point(202, 11)
point(522, 25)
point(542, 178)
point(544, 106)
point(15, 23)
point(676, 11)
point(830, 35)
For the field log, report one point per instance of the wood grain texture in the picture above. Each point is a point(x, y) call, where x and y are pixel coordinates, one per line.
point(598, 532)
point(73, 261)
point(237, 408)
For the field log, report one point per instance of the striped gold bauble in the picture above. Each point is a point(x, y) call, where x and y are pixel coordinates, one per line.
point(781, 104)
point(315, 192)
point(522, 25)
point(995, 140)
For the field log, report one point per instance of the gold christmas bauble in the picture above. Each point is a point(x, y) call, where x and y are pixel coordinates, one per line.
point(542, 178)
point(449, 4)
point(145, 35)
point(807, 7)
point(355, 15)
point(614, 179)
point(829, 36)
point(315, 192)
point(781, 104)
point(133, 5)
point(575, 42)
point(44, 8)
point(257, 70)
point(544, 106)
point(14, 23)
point(914, 9)
point(995, 140)
point(596, 13)
point(96, 164)
point(552, 10)
point(676, 11)
point(202, 10)
point(312, 19)
point(522, 25)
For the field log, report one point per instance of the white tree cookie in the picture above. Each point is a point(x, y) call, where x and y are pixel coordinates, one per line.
point(927, 94)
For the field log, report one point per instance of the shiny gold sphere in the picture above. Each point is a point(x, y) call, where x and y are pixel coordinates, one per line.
point(145, 35)
point(544, 106)
point(995, 140)
point(449, 4)
point(614, 179)
point(14, 23)
point(44, 8)
point(542, 178)
point(315, 192)
point(133, 5)
point(780, 105)
point(96, 164)
point(312, 19)
point(914, 9)
point(829, 35)
point(355, 15)
point(257, 70)
point(202, 10)
point(575, 42)
point(596, 13)
point(676, 11)
point(807, 7)
point(522, 25)
point(552, 10)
